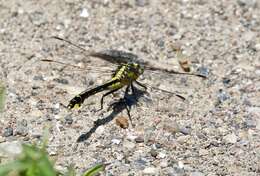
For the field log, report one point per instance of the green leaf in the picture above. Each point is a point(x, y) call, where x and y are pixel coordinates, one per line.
point(95, 170)
point(32, 162)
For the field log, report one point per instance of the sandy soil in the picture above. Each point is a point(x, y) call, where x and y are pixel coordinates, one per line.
point(214, 132)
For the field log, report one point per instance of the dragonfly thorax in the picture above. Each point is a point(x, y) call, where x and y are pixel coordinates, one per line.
point(127, 73)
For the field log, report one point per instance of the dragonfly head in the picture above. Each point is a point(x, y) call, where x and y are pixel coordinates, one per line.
point(75, 103)
point(137, 68)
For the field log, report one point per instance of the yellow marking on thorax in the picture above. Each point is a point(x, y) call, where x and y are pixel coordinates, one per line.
point(125, 76)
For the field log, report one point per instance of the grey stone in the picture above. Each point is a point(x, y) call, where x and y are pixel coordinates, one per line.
point(141, 3)
point(222, 96)
point(61, 80)
point(11, 148)
point(154, 153)
point(139, 139)
point(196, 174)
point(68, 119)
point(38, 78)
point(128, 144)
point(183, 139)
point(8, 132)
point(151, 170)
point(203, 71)
point(250, 3)
point(21, 128)
point(185, 130)
point(230, 138)
point(250, 123)
point(140, 163)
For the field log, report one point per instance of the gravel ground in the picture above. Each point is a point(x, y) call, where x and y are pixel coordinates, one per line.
point(214, 132)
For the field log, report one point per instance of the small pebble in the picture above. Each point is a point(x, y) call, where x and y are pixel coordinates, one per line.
point(257, 47)
point(141, 163)
point(153, 153)
point(116, 141)
point(141, 3)
point(222, 96)
point(61, 80)
point(250, 123)
point(203, 71)
point(171, 126)
point(84, 13)
point(226, 81)
point(8, 132)
point(38, 18)
point(161, 155)
point(40, 105)
point(128, 144)
point(249, 35)
point(139, 139)
point(148, 134)
point(250, 3)
point(151, 171)
point(180, 164)
point(38, 78)
point(21, 128)
point(203, 152)
point(100, 130)
point(163, 164)
point(230, 138)
point(197, 174)
point(68, 119)
point(131, 137)
point(122, 122)
point(183, 139)
point(157, 146)
point(160, 43)
point(185, 130)
point(36, 134)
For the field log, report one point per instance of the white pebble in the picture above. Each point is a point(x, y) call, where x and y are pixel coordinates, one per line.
point(257, 46)
point(116, 141)
point(151, 170)
point(161, 155)
point(100, 130)
point(84, 13)
point(230, 138)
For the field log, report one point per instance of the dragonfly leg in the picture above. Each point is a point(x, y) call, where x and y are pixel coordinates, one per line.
point(103, 96)
point(126, 91)
point(140, 84)
point(125, 102)
point(128, 112)
point(133, 91)
point(132, 88)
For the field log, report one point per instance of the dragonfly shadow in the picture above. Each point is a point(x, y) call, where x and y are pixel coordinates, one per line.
point(117, 107)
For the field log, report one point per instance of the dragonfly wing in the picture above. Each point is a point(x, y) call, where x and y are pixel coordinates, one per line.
point(116, 56)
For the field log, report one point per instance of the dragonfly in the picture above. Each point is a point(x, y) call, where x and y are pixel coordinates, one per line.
point(129, 68)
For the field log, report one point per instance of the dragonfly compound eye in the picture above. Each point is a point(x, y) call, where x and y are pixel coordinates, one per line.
point(137, 68)
point(75, 102)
